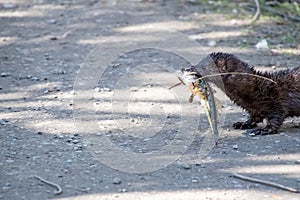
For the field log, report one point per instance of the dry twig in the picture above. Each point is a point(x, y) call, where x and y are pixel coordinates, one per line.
point(246, 178)
point(58, 191)
point(257, 13)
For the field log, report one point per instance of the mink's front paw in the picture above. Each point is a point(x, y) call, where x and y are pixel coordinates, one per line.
point(265, 131)
point(243, 125)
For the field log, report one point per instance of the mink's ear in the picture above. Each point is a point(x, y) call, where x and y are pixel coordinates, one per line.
point(221, 64)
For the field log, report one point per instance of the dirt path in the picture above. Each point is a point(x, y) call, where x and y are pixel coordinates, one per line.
point(56, 126)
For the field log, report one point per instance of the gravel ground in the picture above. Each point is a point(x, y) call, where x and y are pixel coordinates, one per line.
point(66, 103)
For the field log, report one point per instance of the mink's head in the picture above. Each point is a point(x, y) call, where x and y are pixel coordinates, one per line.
point(222, 63)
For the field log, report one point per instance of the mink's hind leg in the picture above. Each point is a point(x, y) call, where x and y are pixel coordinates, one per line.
point(272, 126)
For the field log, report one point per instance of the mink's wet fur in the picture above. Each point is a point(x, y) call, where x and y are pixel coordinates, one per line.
point(263, 99)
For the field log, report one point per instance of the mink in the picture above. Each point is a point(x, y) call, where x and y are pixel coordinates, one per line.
point(268, 97)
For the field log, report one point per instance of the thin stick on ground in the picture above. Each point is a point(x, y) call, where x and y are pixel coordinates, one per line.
point(257, 13)
point(58, 191)
point(276, 185)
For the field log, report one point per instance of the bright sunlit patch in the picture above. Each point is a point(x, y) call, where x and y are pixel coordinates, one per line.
point(7, 40)
point(206, 193)
point(32, 13)
point(267, 169)
point(168, 25)
point(218, 34)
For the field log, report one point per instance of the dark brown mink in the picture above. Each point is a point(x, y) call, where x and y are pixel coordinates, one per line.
point(266, 101)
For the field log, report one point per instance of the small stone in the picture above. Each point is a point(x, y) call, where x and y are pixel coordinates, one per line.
point(195, 181)
point(75, 141)
point(262, 45)
point(53, 38)
point(115, 65)
point(3, 74)
point(52, 21)
point(5, 188)
point(133, 89)
point(186, 166)
point(3, 122)
point(235, 147)
point(233, 21)
point(123, 190)
point(84, 189)
point(117, 181)
point(9, 5)
point(39, 133)
point(97, 89)
point(212, 43)
point(34, 79)
point(234, 11)
point(107, 89)
point(200, 165)
point(72, 92)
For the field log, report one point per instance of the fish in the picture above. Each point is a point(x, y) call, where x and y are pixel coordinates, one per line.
point(200, 87)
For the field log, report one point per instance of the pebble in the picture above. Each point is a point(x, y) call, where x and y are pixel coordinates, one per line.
point(97, 89)
point(123, 190)
point(117, 181)
point(52, 21)
point(133, 89)
point(34, 79)
point(115, 65)
point(9, 5)
point(75, 141)
point(3, 122)
point(234, 11)
point(84, 189)
point(107, 89)
point(195, 181)
point(200, 165)
point(3, 74)
point(58, 71)
point(5, 188)
point(235, 146)
point(262, 45)
point(53, 38)
point(212, 43)
point(186, 166)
